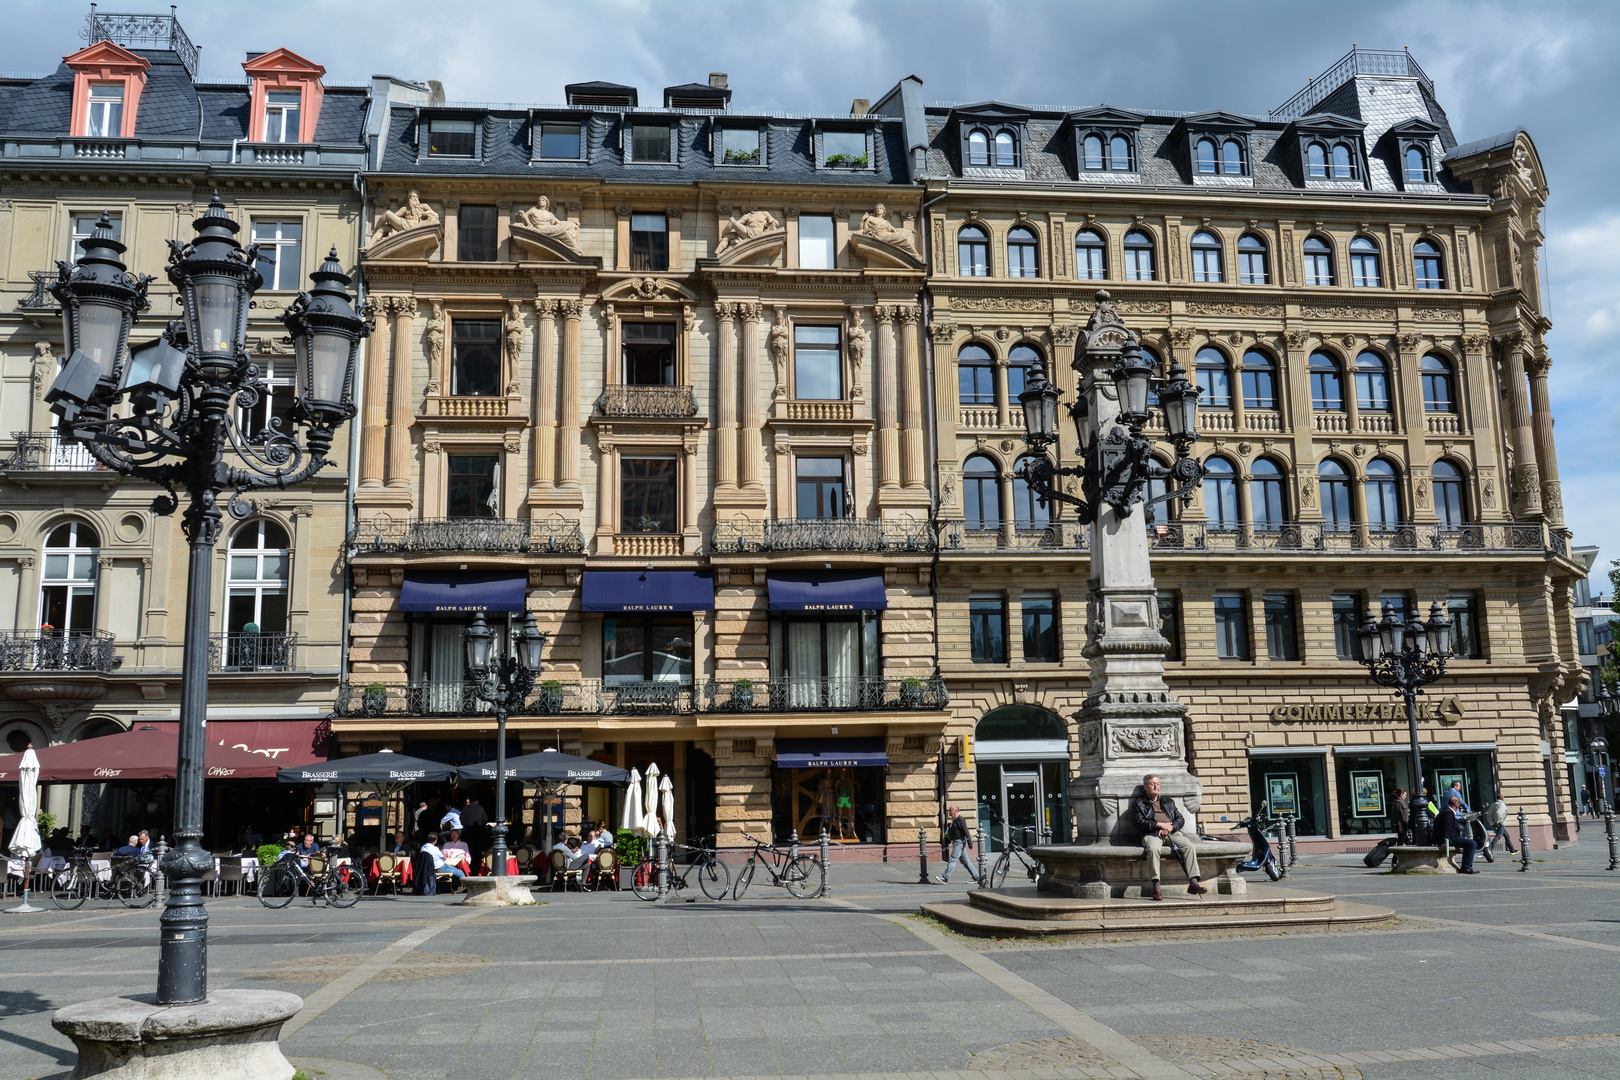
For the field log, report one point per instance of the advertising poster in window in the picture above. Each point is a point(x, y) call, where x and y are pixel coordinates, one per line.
point(1446, 779)
point(1367, 791)
point(1282, 792)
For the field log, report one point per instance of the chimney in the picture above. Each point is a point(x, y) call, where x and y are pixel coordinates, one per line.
point(860, 106)
point(717, 79)
point(252, 56)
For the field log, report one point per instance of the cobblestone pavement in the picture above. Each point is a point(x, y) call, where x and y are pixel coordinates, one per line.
point(1504, 974)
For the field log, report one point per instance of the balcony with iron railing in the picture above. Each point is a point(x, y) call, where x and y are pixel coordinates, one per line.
point(648, 402)
point(1303, 537)
point(517, 536)
point(57, 650)
point(829, 694)
point(252, 651)
point(39, 451)
point(894, 536)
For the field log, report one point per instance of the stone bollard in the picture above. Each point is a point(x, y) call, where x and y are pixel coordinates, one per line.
point(983, 884)
point(1608, 827)
point(1293, 840)
point(826, 866)
point(922, 857)
point(1524, 841)
point(160, 881)
point(793, 845)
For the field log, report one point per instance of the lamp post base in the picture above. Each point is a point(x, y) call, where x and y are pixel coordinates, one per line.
point(229, 1035)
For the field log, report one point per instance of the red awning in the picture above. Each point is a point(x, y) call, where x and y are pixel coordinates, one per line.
point(285, 742)
point(146, 753)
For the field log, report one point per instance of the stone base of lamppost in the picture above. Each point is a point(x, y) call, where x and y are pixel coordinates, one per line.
point(495, 891)
point(229, 1035)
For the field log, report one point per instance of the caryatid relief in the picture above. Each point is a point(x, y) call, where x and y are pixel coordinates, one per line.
point(877, 226)
point(750, 226)
point(433, 345)
point(512, 334)
point(856, 336)
point(539, 219)
point(780, 338)
point(413, 214)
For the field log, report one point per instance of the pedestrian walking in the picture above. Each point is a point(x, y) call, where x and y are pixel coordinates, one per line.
point(1586, 801)
point(1496, 817)
point(958, 841)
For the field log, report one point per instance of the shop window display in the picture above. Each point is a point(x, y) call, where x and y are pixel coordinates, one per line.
point(848, 802)
point(1291, 785)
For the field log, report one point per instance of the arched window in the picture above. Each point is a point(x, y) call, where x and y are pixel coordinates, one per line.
point(1318, 261)
point(1267, 507)
point(1006, 150)
point(1327, 385)
point(1417, 165)
point(1449, 506)
point(1232, 158)
point(1206, 156)
point(1343, 166)
point(1213, 378)
point(978, 147)
point(1316, 157)
point(1372, 383)
point(1093, 151)
point(1119, 154)
point(1022, 253)
point(1438, 393)
point(975, 375)
point(1138, 256)
point(1259, 385)
point(1251, 260)
point(1364, 273)
point(1088, 256)
point(981, 502)
point(972, 252)
point(1027, 511)
point(260, 560)
point(1220, 493)
point(67, 594)
point(1021, 722)
point(1020, 361)
point(1206, 257)
point(1383, 495)
point(1335, 484)
point(1426, 268)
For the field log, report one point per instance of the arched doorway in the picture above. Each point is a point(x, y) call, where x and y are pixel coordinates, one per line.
point(1021, 756)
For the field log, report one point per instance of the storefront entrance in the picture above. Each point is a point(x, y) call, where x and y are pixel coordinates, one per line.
point(1021, 755)
point(832, 784)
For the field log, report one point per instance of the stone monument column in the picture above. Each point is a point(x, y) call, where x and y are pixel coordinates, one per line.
point(399, 406)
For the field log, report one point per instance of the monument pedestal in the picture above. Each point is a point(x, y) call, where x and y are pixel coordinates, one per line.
point(229, 1035)
point(499, 891)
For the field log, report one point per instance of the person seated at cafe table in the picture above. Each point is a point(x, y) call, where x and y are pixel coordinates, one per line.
point(456, 850)
point(131, 849)
point(441, 865)
point(306, 849)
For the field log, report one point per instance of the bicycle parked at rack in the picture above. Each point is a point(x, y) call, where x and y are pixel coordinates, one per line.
point(1012, 852)
point(130, 882)
point(802, 875)
point(339, 883)
point(712, 875)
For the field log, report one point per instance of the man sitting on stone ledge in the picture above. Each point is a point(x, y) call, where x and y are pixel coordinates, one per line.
point(1156, 820)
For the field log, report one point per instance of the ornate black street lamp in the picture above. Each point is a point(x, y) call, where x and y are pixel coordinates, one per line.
point(504, 682)
point(172, 412)
point(1408, 656)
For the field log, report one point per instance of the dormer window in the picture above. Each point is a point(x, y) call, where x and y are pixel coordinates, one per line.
point(1417, 166)
point(1343, 165)
point(281, 115)
point(649, 142)
point(845, 148)
point(105, 118)
point(1006, 150)
point(1206, 157)
point(452, 138)
point(1093, 152)
point(1316, 157)
point(285, 102)
point(560, 140)
point(1232, 158)
point(978, 147)
point(739, 146)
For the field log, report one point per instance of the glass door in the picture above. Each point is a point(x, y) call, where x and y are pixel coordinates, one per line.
point(1021, 795)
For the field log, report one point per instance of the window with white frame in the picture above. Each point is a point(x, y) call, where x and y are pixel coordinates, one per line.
point(281, 115)
point(280, 252)
point(818, 370)
point(815, 242)
point(67, 594)
point(105, 118)
point(272, 413)
point(452, 138)
point(84, 224)
point(1089, 262)
point(261, 556)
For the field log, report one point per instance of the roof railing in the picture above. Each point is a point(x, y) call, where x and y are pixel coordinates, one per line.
point(143, 32)
point(1357, 61)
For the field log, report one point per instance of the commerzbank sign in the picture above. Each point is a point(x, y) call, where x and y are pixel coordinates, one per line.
point(1447, 710)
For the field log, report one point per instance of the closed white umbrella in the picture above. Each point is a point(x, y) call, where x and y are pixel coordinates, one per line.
point(666, 792)
point(630, 817)
point(25, 840)
point(649, 823)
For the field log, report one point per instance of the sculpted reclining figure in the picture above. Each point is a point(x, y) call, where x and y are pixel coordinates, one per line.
point(413, 214)
point(539, 219)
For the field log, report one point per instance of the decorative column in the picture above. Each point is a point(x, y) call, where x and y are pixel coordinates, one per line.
point(911, 400)
point(1524, 475)
point(399, 401)
point(725, 388)
point(693, 540)
point(621, 238)
point(607, 469)
point(568, 431)
point(1552, 498)
point(753, 421)
point(543, 415)
point(888, 386)
point(1003, 392)
point(374, 404)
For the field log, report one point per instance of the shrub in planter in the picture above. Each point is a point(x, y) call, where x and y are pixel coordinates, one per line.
point(911, 693)
point(742, 694)
point(268, 854)
point(551, 697)
point(629, 846)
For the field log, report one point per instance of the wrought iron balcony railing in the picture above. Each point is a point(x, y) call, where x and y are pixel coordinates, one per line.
point(1305, 536)
point(895, 535)
point(48, 451)
point(57, 650)
point(1055, 536)
point(244, 651)
point(661, 402)
point(549, 536)
point(859, 694)
point(39, 297)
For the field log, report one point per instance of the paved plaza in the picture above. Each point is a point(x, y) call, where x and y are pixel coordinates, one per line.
point(1504, 974)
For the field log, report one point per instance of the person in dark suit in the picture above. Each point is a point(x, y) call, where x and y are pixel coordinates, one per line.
point(475, 827)
point(1449, 827)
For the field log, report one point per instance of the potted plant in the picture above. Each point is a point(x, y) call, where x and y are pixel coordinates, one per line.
point(911, 693)
point(551, 697)
point(742, 157)
point(742, 694)
point(374, 699)
point(650, 524)
point(851, 161)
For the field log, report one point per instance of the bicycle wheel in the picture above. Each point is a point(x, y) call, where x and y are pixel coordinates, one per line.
point(71, 888)
point(805, 877)
point(277, 887)
point(744, 877)
point(644, 882)
point(134, 890)
point(713, 878)
point(342, 886)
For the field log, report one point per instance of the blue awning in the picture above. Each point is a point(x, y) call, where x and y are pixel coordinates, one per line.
point(826, 590)
point(461, 591)
point(648, 590)
point(831, 753)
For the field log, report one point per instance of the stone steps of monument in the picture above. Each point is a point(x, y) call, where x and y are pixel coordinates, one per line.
point(1131, 919)
point(1025, 902)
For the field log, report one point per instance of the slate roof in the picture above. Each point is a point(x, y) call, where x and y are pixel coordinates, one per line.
point(1481, 146)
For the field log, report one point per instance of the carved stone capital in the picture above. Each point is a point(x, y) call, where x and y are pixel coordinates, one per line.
point(431, 446)
point(1474, 343)
point(1182, 336)
point(673, 213)
point(725, 311)
point(1065, 334)
point(545, 307)
point(749, 312)
point(942, 333)
point(570, 309)
point(452, 203)
point(884, 314)
point(910, 314)
point(842, 213)
point(623, 212)
point(1538, 364)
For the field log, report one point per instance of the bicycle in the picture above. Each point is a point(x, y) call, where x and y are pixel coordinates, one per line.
point(339, 885)
point(802, 875)
point(129, 882)
point(714, 878)
point(1027, 863)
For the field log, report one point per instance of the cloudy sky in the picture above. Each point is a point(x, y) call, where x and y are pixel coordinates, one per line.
point(1546, 66)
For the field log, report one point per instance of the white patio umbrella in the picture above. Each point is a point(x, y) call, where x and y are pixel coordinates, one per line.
point(649, 822)
point(630, 817)
point(666, 793)
point(25, 840)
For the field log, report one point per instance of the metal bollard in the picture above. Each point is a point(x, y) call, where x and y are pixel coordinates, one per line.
point(1614, 853)
point(793, 844)
point(980, 841)
point(1282, 851)
point(159, 879)
point(1524, 841)
point(661, 853)
point(826, 867)
point(1293, 841)
point(922, 857)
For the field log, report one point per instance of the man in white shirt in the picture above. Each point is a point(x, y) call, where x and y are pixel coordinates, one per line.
point(431, 850)
point(451, 820)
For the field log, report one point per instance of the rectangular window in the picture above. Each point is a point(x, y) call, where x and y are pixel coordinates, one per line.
point(1348, 617)
point(471, 491)
point(475, 357)
point(818, 370)
point(1170, 622)
point(1397, 603)
point(560, 141)
point(822, 492)
point(280, 253)
point(649, 354)
point(976, 384)
point(105, 119)
point(85, 224)
point(1282, 638)
point(1040, 627)
point(649, 142)
point(1231, 626)
point(987, 627)
point(816, 241)
point(1258, 390)
point(452, 138)
point(649, 242)
point(273, 411)
point(1372, 391)
point(844, 147)
point(281, 116)
point(475, 234)
point(739, 146)
point(1463, 610)
point(641, 649)
point(647, 495)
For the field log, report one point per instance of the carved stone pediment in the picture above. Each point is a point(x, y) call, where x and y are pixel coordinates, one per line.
point(882, 253)
point(551, 248)
point(760, 251)
point(649, 290)
point(416, 243)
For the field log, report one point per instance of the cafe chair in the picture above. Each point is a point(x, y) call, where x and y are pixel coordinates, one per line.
point(607, 869)
point(232, 875)
point(561, 875)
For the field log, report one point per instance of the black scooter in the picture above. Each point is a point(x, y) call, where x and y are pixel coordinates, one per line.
point(1261, 858)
